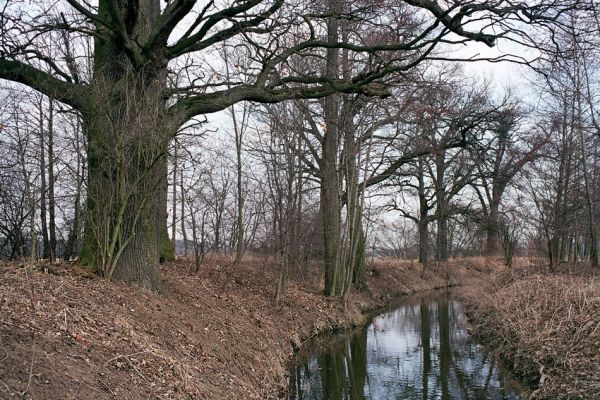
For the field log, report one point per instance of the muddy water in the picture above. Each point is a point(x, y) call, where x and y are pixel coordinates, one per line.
point(418, 349)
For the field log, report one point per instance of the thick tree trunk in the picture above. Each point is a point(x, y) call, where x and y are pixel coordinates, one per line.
point(330, 185)
point(442, 239)
point(125, 212)
point(445, 350)
point(491, 229)
point(128, 135)
point(330, 209)
point(423, 240)
point(139, 262)
point(442, 208)
point(127, 180)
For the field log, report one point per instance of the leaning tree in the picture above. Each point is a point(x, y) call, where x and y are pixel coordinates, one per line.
point(153, 68)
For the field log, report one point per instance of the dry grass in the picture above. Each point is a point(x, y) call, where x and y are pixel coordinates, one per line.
point(546, 326)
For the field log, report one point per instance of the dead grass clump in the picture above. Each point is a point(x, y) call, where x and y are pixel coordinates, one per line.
point(547, 327)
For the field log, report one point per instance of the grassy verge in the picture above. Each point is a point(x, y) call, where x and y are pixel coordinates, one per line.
point(546, 326)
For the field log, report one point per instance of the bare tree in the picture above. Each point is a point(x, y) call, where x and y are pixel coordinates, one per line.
point(138, 44)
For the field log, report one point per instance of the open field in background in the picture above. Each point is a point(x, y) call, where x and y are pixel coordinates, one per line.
point(67, 334)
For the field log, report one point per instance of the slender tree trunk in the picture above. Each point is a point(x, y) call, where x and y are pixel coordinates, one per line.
point(239, 245)
point(43, 185)
point(423, 222)
point(166, 248)
point(589, 196)
point(72, 242)
point(174, 198)
point(359, 274)
point(290, 217)
point(183, 215)
point(354, 249)
point(51, 179)
point(30, 197)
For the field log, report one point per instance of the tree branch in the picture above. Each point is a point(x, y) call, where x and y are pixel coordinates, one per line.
point(68, 93)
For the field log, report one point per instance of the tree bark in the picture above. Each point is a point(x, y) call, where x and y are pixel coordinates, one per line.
point(125, 211)
point(442, 238)
point(127, 134)
point(492, 230)
point(330, 185)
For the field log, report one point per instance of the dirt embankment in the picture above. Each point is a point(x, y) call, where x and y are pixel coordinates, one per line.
point(546, 326)
point(67, 334)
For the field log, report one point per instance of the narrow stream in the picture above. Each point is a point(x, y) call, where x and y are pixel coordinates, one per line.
point(420, 349)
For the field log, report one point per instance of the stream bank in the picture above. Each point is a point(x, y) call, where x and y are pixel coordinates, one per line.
point(545, 325)
point(66, 334)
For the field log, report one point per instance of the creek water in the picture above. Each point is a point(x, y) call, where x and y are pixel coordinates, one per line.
point(419, 348)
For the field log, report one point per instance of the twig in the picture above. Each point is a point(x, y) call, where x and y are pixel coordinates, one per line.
point(125, 356)
point(30, 368)
point(135, 369)
point(5, 385)
point(106, 386)
point(5, 357)
point(130, 362)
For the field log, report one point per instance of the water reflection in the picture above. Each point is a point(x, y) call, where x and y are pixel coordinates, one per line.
point(420, 350)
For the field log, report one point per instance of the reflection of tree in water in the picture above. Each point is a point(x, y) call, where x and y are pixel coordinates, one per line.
point(419, 350)
point(426, 346)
